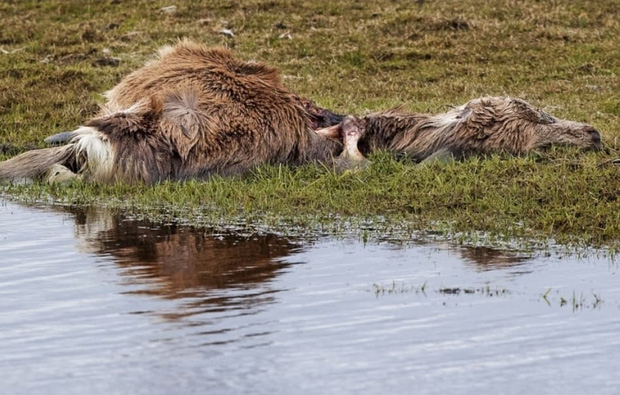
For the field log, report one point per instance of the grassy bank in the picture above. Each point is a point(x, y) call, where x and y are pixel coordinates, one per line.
point(57, 56)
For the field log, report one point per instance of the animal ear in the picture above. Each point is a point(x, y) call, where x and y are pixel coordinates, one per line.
point(531, 113)
point(478, 115)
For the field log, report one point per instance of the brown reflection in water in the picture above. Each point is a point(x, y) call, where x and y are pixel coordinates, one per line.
point(486, 258)
point(480, 258)
point(175, 261)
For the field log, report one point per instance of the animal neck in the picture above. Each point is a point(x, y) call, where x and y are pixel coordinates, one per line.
point(542, 137)
point(392, 131)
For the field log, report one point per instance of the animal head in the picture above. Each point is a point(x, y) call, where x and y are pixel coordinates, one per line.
point(482, 126)
point(544, 130)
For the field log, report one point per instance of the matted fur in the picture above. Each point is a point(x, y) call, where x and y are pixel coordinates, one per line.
point(482, 126)
point(190, 113)
point(193, 112)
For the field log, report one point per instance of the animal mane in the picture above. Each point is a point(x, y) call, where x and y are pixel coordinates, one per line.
point(386, 130)
point(396, 111)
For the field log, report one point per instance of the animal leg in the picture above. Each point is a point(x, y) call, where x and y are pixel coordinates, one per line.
point(321, 117)
point(61, 138)
point(34, 164)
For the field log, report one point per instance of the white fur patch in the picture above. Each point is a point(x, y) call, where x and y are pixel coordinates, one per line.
point(95, 154)
point(112, 104)
point(165, 50)
point(161, 53)
point(108, 94)
point(448, 118)
point(136, 108)
point(112, 107)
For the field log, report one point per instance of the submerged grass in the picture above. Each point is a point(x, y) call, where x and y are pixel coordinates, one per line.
point(352, 57)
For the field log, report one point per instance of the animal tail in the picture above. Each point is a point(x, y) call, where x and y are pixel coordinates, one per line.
point(88, 153)
point(34, 164)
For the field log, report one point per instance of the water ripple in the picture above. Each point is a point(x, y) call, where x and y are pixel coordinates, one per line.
point(94, 301)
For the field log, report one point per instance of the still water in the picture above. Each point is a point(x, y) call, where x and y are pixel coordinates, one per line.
point(95, 302)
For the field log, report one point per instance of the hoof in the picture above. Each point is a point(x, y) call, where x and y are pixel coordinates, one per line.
point(59, 174)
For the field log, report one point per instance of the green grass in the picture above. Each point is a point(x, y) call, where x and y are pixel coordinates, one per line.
point(352, 57)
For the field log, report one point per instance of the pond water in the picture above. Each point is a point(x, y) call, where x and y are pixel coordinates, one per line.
point(95, 302)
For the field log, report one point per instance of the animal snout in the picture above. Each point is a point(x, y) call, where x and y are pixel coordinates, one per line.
point(595, 137)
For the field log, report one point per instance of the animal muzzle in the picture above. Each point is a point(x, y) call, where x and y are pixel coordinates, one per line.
point(595, 138)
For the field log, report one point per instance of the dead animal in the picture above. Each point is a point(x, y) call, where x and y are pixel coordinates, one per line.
point(194, 112)
point(482, 126)
point(190, 113)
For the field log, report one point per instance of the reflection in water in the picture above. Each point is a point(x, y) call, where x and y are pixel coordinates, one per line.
point(481, 258)
point(176, 261)
point(485, 258)
point(179, 261)
point(210, 271)
point(184, 261)
point(238, 317)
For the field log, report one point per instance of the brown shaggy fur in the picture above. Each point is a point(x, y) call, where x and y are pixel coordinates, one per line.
point(482, 126)
point(194, 112)
point(190, 113)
